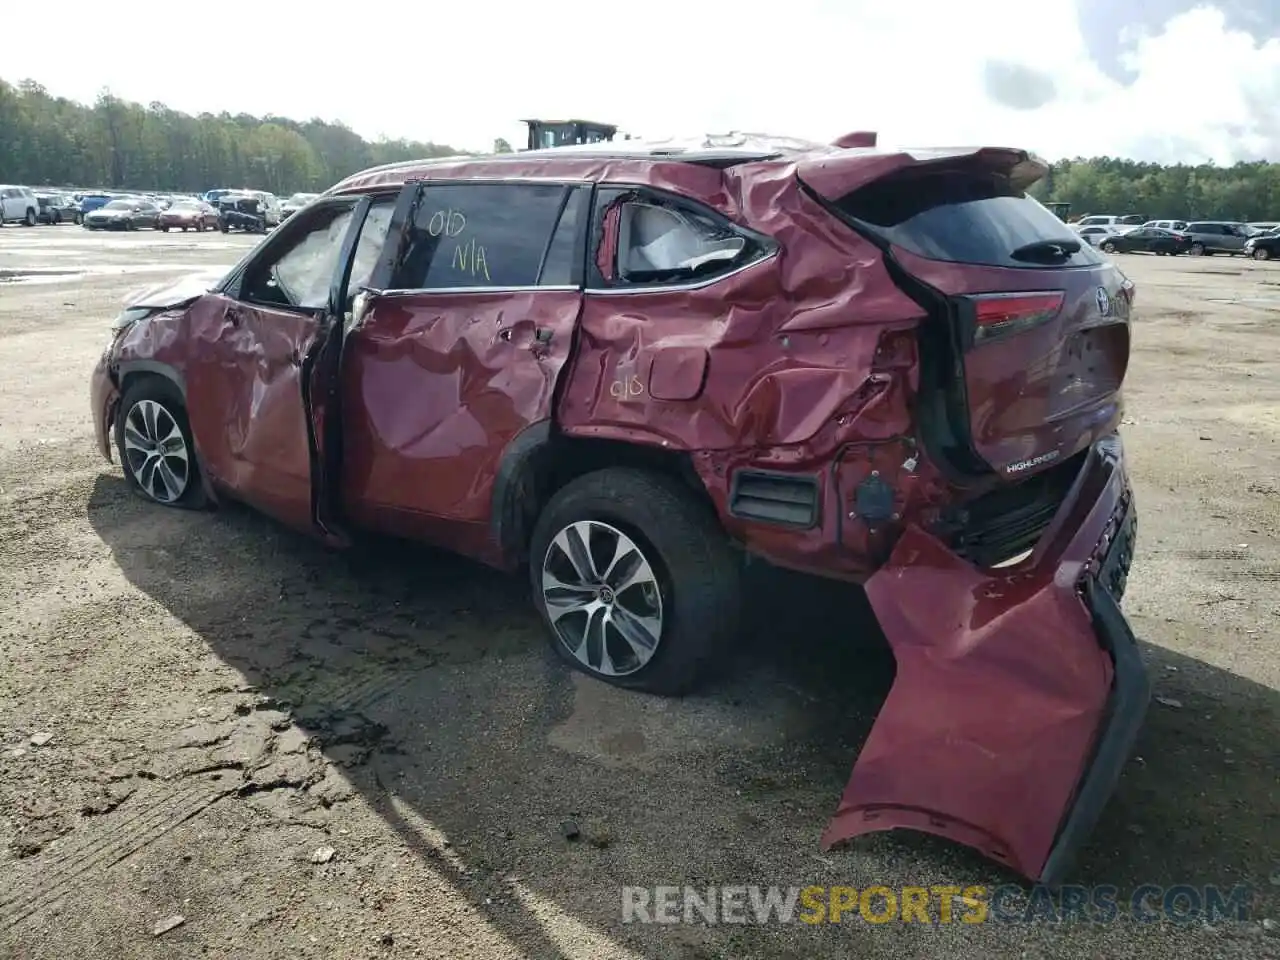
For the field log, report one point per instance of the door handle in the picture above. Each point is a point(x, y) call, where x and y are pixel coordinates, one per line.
point(234, 316)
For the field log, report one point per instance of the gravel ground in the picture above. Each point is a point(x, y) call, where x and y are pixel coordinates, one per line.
point(195, 708)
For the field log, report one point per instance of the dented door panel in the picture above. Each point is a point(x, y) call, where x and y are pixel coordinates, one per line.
point(243, 379)
point(435, 384)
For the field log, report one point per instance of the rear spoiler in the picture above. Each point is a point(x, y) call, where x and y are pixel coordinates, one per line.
point(835, 175)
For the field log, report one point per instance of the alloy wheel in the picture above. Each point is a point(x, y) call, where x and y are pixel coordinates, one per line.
point(156, 451)
point(602, 598)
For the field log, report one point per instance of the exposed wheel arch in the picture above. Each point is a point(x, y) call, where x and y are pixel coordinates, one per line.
point(129, 371)
point(540, 460)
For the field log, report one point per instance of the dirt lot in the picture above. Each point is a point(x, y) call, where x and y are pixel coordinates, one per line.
point(192, 705)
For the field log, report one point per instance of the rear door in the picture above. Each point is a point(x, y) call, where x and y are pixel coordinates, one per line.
point(1029, 336)
point(456, 349)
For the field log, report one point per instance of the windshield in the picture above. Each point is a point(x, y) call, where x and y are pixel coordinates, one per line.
point(185, 205)
point(119, 205)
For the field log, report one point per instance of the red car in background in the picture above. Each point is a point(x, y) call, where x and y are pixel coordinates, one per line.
point(187, 215)
point(621, 366)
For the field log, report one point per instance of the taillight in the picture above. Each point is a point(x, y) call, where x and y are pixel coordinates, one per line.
point(1002, 314)
point(1128, 291)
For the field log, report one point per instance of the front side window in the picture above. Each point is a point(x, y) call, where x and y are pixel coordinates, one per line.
point(373, 234)
point(296, 272)
point(479, 235)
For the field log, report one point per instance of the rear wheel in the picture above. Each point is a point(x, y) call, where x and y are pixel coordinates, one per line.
point(153, 440)
point(30, 219)
point(1261, 253)
point(1197, 250)
point(636, 581)
point(1108, 247)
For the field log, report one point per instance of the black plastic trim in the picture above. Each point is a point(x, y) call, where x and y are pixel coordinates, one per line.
point(513, 487)
point(761, 508)
point(1126, 709)
point(128, 368)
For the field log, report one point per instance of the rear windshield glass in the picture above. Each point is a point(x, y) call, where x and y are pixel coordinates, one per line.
point(963, 218)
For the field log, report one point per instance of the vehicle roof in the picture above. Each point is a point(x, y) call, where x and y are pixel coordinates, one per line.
point(646, 159)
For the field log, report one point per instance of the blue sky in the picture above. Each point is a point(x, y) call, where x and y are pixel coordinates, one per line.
point(1083, 77)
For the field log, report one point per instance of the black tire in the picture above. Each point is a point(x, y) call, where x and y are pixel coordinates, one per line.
point(166, 229)
point(1197, 250)
point(1261, 253)
point(699, 575)
point(223, 227)
point(79, 219)
point(1108, 247)
point(160, 391)
point(31, 219)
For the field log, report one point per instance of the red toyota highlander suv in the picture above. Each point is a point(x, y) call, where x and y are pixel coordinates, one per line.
point(623, 366)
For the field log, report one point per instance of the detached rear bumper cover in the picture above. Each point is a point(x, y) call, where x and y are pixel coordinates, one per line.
point(1019, 692)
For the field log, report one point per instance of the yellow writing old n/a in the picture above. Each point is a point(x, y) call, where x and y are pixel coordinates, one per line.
point(469, 258)
point(880, 904)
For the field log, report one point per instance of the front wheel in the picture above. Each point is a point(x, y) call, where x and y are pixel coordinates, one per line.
point(635, 580)
point(154, 443)
point(1197, 250)
point(30, 219)
point(1108, 247)
point(1261, 253)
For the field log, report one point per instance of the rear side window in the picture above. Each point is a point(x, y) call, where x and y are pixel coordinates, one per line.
point(479, 235)
point(962, 217)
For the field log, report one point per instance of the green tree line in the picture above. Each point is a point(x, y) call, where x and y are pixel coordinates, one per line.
point(47, 140)
point(1246, 191)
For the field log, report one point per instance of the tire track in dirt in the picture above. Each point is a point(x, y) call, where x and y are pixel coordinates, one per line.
point(101, 850)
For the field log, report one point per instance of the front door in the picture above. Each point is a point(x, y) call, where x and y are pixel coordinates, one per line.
point(253, 353)
point(457, 349)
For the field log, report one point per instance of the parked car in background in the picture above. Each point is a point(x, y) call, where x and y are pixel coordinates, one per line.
point(1262, 226)
point(18, 205)
point(1095, 235)
point(1147, 240)
point(919, 397)
point(1177, 226)
point(1127, 221)
point(187, 215)
point(90, 202)
point(211, 197)
point(242, 211)
point(1216, 236)
point(124, 213)
point(295, 203)
point(271, 207)
point(57, 208)
point(1263, 246)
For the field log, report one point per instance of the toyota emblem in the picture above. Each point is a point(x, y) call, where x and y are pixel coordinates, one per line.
point(1104, 302)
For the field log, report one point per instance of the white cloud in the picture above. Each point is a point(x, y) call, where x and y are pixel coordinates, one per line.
point(466, 72)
